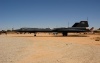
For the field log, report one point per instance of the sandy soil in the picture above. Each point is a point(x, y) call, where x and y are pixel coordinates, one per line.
point(20, 48)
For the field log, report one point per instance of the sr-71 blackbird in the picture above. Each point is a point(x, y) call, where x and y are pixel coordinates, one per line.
point(76, 28)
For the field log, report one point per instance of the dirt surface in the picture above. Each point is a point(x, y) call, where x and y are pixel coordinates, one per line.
point(45, 48)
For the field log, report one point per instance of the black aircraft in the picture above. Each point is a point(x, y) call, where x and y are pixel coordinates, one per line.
point(76, 28)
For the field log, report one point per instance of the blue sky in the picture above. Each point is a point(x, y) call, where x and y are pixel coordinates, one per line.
point(48, 13)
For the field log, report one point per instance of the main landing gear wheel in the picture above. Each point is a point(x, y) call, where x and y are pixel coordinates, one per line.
point(34, 34)
point(65, 34)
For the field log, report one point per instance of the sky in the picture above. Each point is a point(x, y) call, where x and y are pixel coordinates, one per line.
point(48, 13)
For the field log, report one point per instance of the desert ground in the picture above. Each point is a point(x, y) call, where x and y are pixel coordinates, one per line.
point(45, 48)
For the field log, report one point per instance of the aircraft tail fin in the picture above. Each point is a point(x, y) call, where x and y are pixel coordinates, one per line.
point(81, 24)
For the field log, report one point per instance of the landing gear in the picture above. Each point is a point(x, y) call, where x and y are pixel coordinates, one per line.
point(34, 34)
point(65, 33)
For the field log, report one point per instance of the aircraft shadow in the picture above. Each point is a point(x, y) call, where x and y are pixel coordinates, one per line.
point(55, 36)
point(77, 36)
